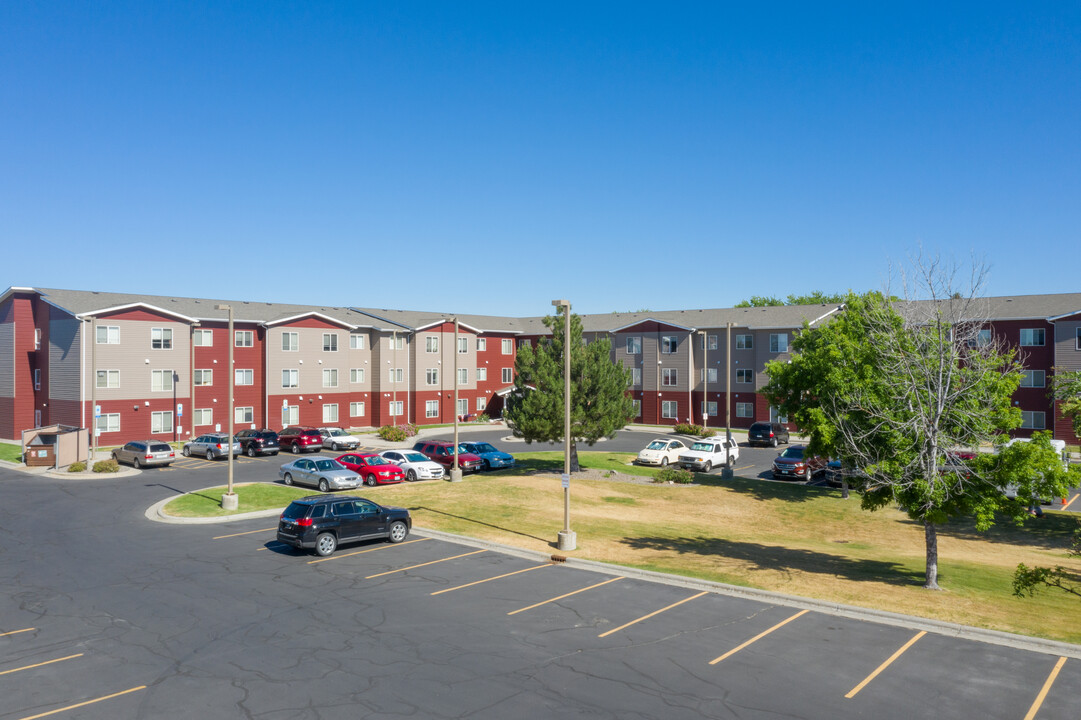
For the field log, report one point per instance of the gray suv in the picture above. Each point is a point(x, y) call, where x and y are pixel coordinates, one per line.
point(145, 453)
point(212, 446)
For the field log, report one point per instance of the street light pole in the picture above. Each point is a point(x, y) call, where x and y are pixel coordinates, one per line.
point(728, 396)
point(230, 501)
point(705, 382)
point(567, 540)
point(455, 471)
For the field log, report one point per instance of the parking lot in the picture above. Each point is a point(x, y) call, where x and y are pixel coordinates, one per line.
point(110, 615)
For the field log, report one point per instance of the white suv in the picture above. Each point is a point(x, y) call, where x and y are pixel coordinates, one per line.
point(705, 455)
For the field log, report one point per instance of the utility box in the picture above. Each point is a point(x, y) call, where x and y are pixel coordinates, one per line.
point(55, 446)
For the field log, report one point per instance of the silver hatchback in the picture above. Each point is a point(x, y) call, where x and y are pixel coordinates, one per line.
point(211, 446)
point(145, 453)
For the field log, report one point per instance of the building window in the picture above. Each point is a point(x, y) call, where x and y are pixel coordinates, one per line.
point(162, 338)
point(709, 408)
point(431, 376)
point(669, 344)
point(395, 408)
point(1034, 378)
point(709, 342)
point(669, 376)
point(398, 342)
point(244, 377)
point(1077, 341)
point(108, 335)
point(290, 378)
point(330, 342)
point(356, 342)
point(482, 403)
point(356, 375)
point(669, 409)
point(431, 408)
point(745, 375)
point(634, 345)
point(203, 416)
point(523, 342)
point(243, 338)
point(710, 374)
point(290, 415)
point(161, 380)
point(37, 378)
point(508, 375)
point(161, 422)
point(330, 377)
point(636, 377)
point(204, 377)
point(637, 408)
point(463, 407)
point(463, 376)
point(507, 346)
point(244, 415)
point(431, 343)
point(108, 379)
point(482, 344)
point(1032, 337)
point(290, 342)
point(109, 423)
point(744, 410)
point(330, 413)
point(776, 416)
point(356, 409)
point(744, 342)
point(37, 338)
point(396, 375)
point(982, 339)
point(482, 374)
point(203, 338)
point(1032, 419)
point(778, 342)
point(463, 345)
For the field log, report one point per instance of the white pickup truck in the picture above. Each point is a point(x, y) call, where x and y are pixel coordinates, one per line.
point(705, 455)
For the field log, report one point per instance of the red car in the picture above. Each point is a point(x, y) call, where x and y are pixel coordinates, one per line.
point(300, 439)
point(443, 453)
point(374, 469)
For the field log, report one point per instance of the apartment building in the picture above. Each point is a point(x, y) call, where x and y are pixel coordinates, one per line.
point(156, 366)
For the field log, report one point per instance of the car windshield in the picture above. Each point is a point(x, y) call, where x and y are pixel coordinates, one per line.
point(704, 447)
point(310, 432)
point(328, 465)
point(657, 445)
point(415, 457)
point(373, 460)
point(336, 432)
point(793, 453)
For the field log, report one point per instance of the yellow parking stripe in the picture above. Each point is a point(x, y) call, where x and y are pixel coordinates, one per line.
point(1043, 691)
point(1070, 503)
point(852, 693)
point(545, 602)
point(16, 632)
point(655, 612)
point(88, 702)
point(433, 562)
point(746, 467)
point(47, 662)
point(497, 577)
point(250, 532)
point(361, 552)
point(757, 637)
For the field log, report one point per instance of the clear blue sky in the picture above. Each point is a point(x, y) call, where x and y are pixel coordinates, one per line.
point(489, 158)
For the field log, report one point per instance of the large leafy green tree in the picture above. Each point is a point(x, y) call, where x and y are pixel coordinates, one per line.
point(894, 389)
point(1066, 388)
point(599, 402)
point(815, 298)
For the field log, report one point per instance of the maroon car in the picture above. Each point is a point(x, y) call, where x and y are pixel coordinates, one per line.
point(443, 453)
point(794, 462)
point(373, 469)
point(300, 439)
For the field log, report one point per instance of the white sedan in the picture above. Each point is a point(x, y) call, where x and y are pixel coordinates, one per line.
point(414, 465)
point(661, 452)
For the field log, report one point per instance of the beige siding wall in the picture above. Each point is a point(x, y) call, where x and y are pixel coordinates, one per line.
point(310, 360)
point(1067, 356)
point(65, 335)
point(135, 360)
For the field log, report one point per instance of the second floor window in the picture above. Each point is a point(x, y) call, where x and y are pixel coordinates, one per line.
point(463, 345)
point(161, 380)
point(1032, 337)
point(669, 344)
point(508, 375)
point(161, 338)
point(636, 376)
point(244, 377)
point(204, 377)
point(482, 374)
point(431, 376)
point(463, 376)
point(330, 377)
point(396, 375)
point(778, 342)
point(243, 338)
point(634, 345)
point(669, 376)
point(745, 375)
point(356, 375)
point(507, 346)
point(108, 379)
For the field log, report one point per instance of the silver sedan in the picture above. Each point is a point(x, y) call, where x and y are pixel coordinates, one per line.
point(321, 473)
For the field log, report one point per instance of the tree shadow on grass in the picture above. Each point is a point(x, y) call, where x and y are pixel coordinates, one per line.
point(479, 522)
point(763, 487)
point(1054, 532)
point(782, 559)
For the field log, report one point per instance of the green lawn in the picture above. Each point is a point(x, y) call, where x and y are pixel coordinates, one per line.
point(11, 452)
point(788, 538)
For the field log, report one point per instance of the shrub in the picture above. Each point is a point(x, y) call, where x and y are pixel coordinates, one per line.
point(409, 429)
point(78, 466)
point(391, 433)
point(482, 418)
point(106, 466)
point(674, 474)
point(695, 430)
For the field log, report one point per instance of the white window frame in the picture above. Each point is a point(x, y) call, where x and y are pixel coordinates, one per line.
point(161, 422)
point(290, 415)
point(778, 342)
point(482, 404)
point(330, 342)
point(37, 338)
point(669, 344)
point(482, 374)
point(157, 381)
point(330, 377)
point(463, 376)
point(634, 345)
point(203, 377)
point(709, 409)
point(508, 375)
point(669, 377)
point(108, 422)
point(356, 341)
point(744, 342)
point(637, 407)
point(203, 337)
point(395, 408)
point(244, 415)
point(1033, 420)
point(463, 407)
point(330, 412)
point(356, 376)
point(397, 342)
point(431, 408)
point(1032, 334)
point(463, 346)
point(243, 338)
point(356, 409)
point(507, 346)
point(290, 378)
point(163, 336)
point(744, 410)
point(290, 342)
point(482, 344)
point(431, 376)
point(243, 376)
point(111, 334)
point(431, 343)
point(109, 375)
point(202, 416)
point(636, 376)
point(742, 375)
point(397, 375)
point(37, 378)
point(670, 409)
point(709, 374)
point(1029, 378)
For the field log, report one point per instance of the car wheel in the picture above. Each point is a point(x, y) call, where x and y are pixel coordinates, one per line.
point(288, 479)
point(186, 452)
point(296, 449)
point(773, 442)
point(326, 544)
point(134, 463)
point(708, 467)
point(398, 531)
point(324, 486)
point(807, 475)
point(411, 476)
point(251, 451)
point(370, 481)
point(115, 458)
point(664, 462)
point(487, 466)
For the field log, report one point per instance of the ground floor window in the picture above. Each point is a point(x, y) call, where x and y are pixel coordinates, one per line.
point(508, 375)
point(395, 408)
point(290, 415)
point(330, 413)
point(669, 409)
point(776, 416)
point(161, 422)
point(709, 408)
point(203, 416)
point(243, 415)
point(356, 409)
point(431, 408)
point(637, 408)
point(482, 404)
point(745, 410)
point(1033, 419)
point(109, 423)
point(463, 406)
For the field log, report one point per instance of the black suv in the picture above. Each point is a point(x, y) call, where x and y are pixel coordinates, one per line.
point(767, 433)
point(258, 442)
point(321, 522)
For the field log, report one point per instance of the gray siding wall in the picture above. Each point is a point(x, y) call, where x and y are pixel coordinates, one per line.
point(628, 360)
point(7, 359)
point(65, 340)
point(1067, 356)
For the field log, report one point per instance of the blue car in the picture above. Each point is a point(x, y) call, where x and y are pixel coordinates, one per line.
point(493, 459)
